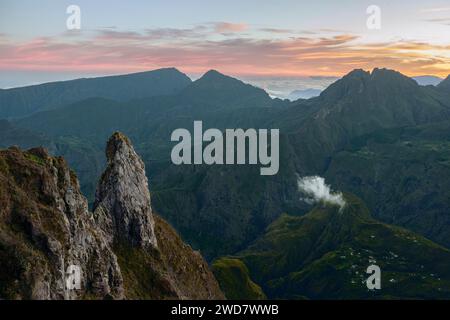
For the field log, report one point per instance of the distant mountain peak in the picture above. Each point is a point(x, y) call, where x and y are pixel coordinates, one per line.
point(221, 89)
point(388, 74)
point(358, 81)
point(214, 75)
point(382, 71)
point(375, 73)
point(358, 73)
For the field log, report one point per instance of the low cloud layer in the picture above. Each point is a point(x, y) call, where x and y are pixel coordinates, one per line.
point(317, 191)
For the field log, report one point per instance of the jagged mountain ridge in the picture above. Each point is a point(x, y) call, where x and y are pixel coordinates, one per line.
point(45, 226)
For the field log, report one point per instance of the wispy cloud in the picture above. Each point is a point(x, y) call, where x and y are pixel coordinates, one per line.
point(199, 31)
point(276, 30)
point(317, 191)
point(436, 9)
point(438, 15)
point(439, 20)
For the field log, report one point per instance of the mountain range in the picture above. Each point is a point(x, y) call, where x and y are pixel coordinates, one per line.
point(18, 102)
point(378, 136)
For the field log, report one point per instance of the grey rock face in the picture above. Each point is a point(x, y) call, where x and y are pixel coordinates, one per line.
point(54, 217)
point(122, 202)
point(88, 249)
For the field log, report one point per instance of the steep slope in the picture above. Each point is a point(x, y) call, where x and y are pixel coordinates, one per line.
point(86, 156)
point(403, 175)
point(235, 280)
point(13, 135)
point(359, 103)
point(214, 99)
point(19, 102)
point(384, 138)
point(218, 100)
point(325, 254)
point(123, 250)
point(122, 200)
point(45, 226)
point(155, 264)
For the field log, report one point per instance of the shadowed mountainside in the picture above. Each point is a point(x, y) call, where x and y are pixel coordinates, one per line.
point(20, 102)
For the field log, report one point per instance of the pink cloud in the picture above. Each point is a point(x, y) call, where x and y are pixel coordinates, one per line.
point(191, 51)
point(227, 27)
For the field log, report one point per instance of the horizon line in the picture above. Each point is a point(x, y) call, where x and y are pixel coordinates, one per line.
point(193, 76)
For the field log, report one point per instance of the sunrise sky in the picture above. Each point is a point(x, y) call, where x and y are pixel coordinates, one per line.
point(287, 38)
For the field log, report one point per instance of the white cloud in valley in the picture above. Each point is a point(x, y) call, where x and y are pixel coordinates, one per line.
point(317, 191)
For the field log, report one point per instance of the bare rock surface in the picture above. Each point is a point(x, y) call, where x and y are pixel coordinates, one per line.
point(123, 194)
point(45, 227)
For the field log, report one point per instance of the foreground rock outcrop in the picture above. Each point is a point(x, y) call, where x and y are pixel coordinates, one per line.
point(122, 202)
point(122, 250)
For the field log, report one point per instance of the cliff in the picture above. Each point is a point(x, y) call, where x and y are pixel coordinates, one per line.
point(122, 250)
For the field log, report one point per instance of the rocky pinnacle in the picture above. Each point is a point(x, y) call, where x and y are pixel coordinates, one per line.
point(122, 202)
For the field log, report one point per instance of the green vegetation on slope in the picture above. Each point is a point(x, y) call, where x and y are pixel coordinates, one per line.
point(325, 254)
point(235, 280)
point(403, 174)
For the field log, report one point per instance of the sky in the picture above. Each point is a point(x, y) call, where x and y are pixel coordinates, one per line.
point(246, 38)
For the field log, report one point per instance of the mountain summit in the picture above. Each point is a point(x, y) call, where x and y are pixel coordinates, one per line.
point(122, 198)
point(382, 98)
point(217, 88)
point(361, 82)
